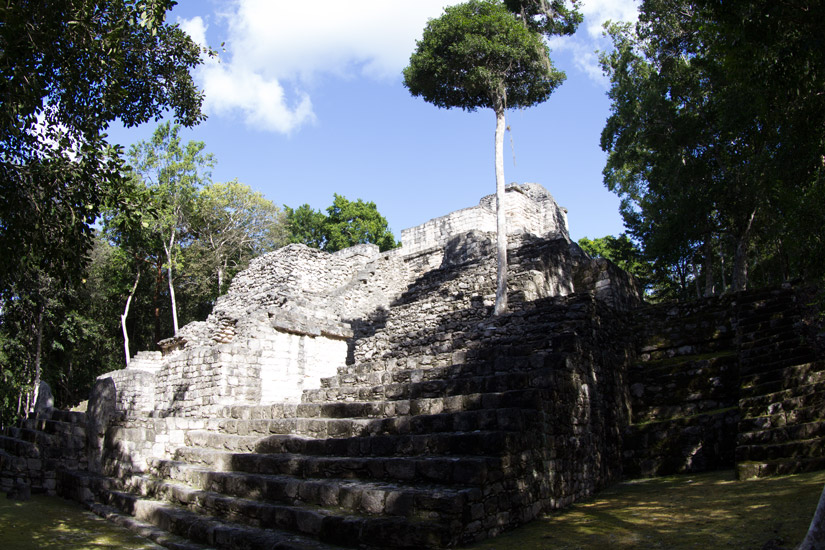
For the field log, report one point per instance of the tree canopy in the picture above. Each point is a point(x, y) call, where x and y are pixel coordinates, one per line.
point(67, 70)
point(346, 224)
point(714, 140)
point(479, 55)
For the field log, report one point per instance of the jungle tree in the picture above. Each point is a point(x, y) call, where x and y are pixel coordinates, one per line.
point(67, 70)
point(174, 172)
point(480, 55)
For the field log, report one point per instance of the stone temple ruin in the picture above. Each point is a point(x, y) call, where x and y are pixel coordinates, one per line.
point(370, 400)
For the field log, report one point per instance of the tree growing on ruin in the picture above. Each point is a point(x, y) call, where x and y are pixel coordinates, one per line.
point(480, 55)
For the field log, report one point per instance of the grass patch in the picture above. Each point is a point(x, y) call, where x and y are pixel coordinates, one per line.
point(711, 510)
point(56, 524)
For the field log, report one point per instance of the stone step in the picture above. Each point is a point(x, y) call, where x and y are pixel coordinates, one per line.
point(681, 445)
point(773, 344)
point(685, 365)
point(211, 531)
point(54, 427)
point(797, 449)
point(783, 434)
point(659, 413)
point(770, 320)
point(483, 443)
point(492, 418)
point(687, 348)
point(786, 414)
point(780, 379)
point(233, 522)
point(757, 469)
point(770, 363)
point(362, 497)
point(372, 409)
point(59, 415)
point(463, 470)
point(18, 447)
point(66, 441)
point(369, 375)
point(765, 300)
point(143, 529)
point(544, 377)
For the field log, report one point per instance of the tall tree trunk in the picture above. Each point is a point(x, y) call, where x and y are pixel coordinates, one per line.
point(696, 277)
point(126, 314)
point(708, 265)
point(722, 268)
point(156, 298)
point(740, 257)
point(501, 225)
point(37, 356)
point(221, 271)
point(169, 251)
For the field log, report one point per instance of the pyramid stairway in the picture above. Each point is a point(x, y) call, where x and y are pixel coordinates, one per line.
point(727, 382)
point(40, 445)
point(476, 426)
point(782, 394)
point(683, 390)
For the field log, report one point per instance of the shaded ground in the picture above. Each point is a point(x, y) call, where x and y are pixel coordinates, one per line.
point(711, 511)
point(56, 524)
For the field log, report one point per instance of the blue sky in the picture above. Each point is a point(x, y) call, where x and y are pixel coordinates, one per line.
point(304, 103)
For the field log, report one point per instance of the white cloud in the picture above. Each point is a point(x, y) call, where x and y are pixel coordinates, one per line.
point(276, 51)
point(195, 28)
point(596, 12)
point(589, 38)
point(275, 46)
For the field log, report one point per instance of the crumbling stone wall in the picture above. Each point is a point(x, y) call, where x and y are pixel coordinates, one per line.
point(529, 208)
point(286, 321)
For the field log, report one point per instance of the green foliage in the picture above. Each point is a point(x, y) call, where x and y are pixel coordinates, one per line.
point(306, 226)
point(346, 224)
point(229, 225)
point(715, 160)
point(67, 70)
point(478, 54)
point(350, 223)
point(548, 17)
point(621, 251)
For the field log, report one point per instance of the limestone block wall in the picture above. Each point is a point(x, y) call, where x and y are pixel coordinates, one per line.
point(291, 363)
point(136, 389)
point(443, 317)
point(530, 209)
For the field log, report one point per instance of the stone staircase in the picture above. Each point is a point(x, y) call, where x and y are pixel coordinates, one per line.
point(782, 397)
point(683, 390)
point(449, 426)
point(421, 463)
point(724, 382)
